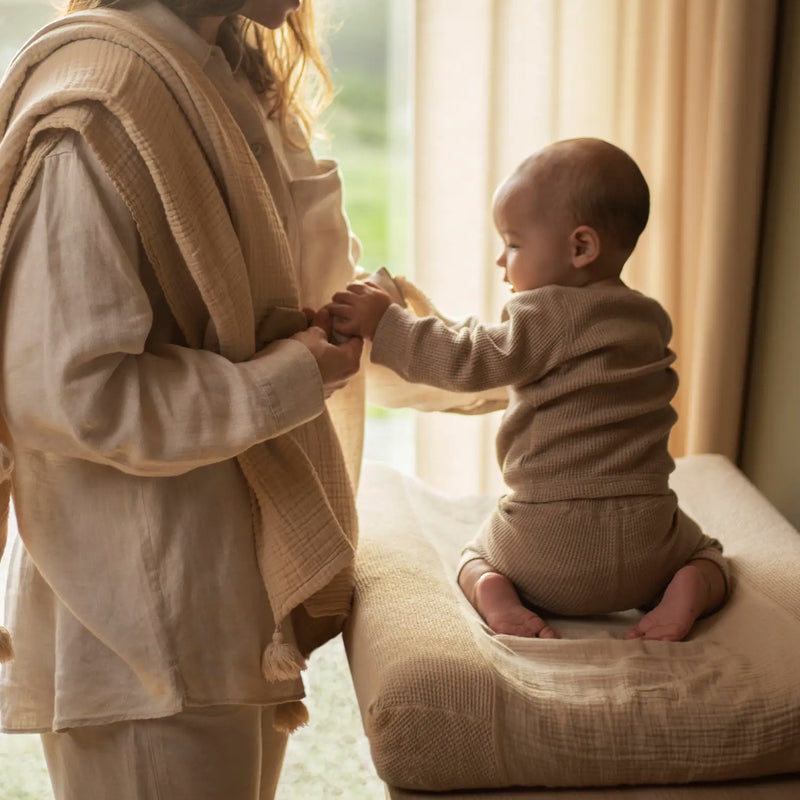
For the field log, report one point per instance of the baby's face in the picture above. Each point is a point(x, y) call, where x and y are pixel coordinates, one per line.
point(536, 246)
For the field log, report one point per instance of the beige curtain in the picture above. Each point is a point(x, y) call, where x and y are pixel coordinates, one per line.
point(684, 86)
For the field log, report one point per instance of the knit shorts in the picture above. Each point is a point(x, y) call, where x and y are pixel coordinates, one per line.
point(592, 556)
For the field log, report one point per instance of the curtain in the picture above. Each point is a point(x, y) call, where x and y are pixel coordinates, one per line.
point(684, 87)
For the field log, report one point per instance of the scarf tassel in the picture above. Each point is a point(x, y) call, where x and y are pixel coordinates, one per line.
point(281, 661)
point(6, 650)
point(290, 716)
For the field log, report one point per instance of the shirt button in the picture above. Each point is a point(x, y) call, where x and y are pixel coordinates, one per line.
point(257, 149)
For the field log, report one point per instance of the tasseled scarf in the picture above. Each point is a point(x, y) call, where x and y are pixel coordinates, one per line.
point(210, 228)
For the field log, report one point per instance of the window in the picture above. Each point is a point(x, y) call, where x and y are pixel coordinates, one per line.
point(369, 133)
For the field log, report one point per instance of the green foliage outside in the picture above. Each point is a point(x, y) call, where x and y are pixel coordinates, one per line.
point(357, 131)
point(357, 123)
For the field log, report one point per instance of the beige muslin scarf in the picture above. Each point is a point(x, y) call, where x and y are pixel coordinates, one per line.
point(209, 226)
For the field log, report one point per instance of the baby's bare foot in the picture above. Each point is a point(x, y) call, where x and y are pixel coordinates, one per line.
point(498, 603)
point(683, 602)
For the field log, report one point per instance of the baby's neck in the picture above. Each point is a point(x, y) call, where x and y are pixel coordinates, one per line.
point(615, 280)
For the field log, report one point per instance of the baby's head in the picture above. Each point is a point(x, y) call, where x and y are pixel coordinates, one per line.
point(570, 215)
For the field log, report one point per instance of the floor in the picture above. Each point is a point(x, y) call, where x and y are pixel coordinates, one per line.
point(327, 759)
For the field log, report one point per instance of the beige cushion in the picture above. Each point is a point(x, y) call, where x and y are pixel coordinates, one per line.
point(780, 787)
point(448, 705)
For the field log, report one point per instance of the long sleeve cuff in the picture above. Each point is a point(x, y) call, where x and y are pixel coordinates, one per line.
point(288, 375)
point(391, 345)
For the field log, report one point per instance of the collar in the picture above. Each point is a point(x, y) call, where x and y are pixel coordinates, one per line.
point(174, 28)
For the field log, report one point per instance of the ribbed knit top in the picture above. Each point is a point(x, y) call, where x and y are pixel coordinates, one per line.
point(590, 383)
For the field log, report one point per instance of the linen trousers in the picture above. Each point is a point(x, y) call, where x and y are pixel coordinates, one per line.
point(214, 753)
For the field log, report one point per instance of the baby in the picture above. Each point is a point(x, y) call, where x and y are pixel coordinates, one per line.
point(590, 525)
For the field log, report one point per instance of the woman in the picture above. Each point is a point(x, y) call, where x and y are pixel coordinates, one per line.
point(186, 517)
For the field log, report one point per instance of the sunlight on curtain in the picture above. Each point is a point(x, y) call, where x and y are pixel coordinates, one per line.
point(684, 87)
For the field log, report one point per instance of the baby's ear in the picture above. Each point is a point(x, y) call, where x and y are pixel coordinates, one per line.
point(585, 246)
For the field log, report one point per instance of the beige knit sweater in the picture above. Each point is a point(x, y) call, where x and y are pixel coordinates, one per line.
point(590, 383)
point(209, 227)
point(590, 525)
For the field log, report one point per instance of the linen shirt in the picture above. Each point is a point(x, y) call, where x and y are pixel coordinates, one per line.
point(134, 592)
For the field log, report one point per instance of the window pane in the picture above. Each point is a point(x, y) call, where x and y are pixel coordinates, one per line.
point(368, 131)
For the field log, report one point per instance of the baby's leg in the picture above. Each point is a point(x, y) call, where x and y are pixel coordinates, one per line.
point(497, 601)
point(696, 589)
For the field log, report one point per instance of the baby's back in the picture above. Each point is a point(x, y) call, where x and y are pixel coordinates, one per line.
point(597, 423)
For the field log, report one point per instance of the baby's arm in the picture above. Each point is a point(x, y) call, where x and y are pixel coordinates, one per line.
point(474, 357)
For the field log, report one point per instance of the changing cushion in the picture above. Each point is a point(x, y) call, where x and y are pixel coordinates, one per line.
point(447, 704)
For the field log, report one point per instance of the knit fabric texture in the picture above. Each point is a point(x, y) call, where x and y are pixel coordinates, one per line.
point(590, 384)
point(449, 705)
point(590, 525)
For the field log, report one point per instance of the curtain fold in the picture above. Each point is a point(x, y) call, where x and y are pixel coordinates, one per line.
point(682, 85)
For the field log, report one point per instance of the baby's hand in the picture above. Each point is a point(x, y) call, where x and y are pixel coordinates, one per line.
point(358, 310)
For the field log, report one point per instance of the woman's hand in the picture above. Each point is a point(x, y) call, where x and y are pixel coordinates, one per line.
point(337, 363)
point(358, 310)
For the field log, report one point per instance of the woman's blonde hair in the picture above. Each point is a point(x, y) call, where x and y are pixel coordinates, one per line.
point(285, 63)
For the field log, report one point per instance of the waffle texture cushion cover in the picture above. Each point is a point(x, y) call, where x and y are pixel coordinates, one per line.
point(447, 704)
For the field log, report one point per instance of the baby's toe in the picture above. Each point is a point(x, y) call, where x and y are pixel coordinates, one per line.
point(548, 633)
